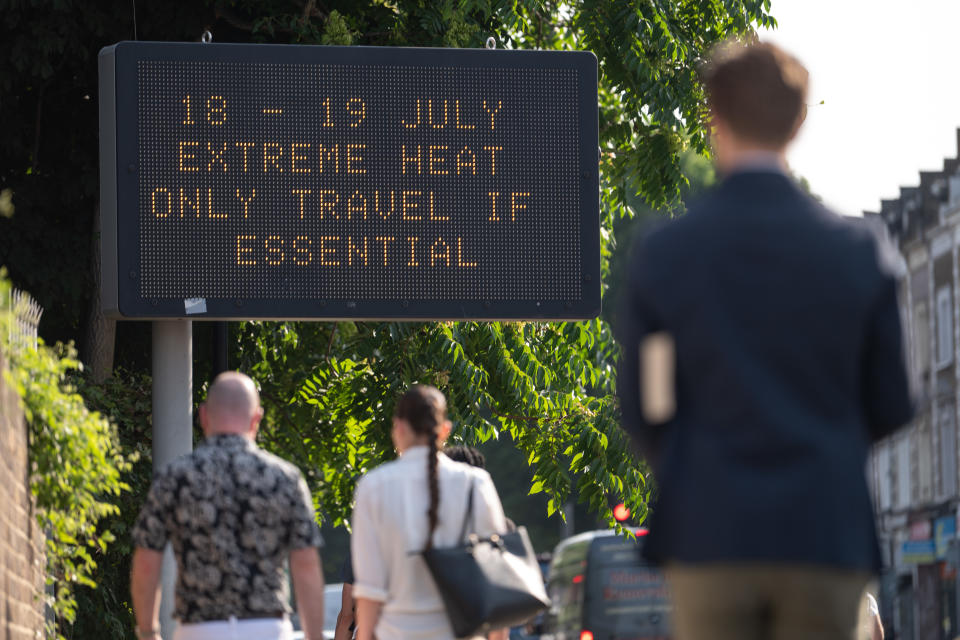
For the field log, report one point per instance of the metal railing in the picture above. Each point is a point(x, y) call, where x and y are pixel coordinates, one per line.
point(26, 319)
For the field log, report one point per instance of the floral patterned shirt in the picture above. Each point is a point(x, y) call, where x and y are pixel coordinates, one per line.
point(232, 513)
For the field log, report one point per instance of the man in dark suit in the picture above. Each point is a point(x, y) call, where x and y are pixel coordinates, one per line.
point(761, 356)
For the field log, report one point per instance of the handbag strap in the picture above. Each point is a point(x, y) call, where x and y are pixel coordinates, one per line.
point(468, 515)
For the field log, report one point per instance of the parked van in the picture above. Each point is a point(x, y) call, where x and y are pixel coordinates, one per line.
point(601, 589)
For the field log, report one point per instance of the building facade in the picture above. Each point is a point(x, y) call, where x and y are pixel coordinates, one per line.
point(914, 474)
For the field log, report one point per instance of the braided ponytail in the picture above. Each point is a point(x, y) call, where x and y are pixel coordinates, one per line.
point(424, 408)
point(434, 487)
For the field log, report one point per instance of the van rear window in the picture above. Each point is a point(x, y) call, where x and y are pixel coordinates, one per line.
point(627, 598)
point(631, 586)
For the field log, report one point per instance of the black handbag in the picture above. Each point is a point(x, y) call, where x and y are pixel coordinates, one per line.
point(487, 583)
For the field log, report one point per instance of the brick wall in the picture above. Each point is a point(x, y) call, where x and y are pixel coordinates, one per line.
point(21, 544)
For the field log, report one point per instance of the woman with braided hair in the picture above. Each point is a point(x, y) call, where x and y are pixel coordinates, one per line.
point(402, 507)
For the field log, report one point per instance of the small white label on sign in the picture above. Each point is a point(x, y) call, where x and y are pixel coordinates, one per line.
point(195, 305)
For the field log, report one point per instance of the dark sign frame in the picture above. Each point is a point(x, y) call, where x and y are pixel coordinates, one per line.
point(119, 184)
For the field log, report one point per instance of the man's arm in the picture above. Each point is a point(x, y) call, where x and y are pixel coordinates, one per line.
point(145, 589)
point(346, 616)
point(305, 569)
point(368, 614)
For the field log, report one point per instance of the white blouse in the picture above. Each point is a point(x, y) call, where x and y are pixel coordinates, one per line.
point(390, 528)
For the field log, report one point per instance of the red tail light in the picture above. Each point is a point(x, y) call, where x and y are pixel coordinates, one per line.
point(586, 635)
point(642, 532)
point(621, 512)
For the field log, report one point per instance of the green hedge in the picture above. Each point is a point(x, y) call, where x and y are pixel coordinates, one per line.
point(76, 464)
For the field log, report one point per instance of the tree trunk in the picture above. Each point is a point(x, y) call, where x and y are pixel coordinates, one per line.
point(97, 355)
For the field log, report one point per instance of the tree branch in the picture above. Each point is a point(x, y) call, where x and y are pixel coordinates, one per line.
point(333, 334)
point(516, 418)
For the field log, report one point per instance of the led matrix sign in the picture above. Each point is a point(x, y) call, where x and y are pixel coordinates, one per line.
point(331, 182)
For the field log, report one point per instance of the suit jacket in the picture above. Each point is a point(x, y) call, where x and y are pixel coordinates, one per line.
point(789, 364)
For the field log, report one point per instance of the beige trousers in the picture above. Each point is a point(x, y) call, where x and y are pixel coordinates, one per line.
point(765, 602)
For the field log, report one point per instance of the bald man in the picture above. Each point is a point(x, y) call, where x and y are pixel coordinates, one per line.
point(233, 515)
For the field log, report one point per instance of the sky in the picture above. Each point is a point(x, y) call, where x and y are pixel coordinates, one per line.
point(888, 74)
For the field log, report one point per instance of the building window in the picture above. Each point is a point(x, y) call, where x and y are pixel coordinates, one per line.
point(948, 451)
point(944, 326)
point(894, 484)
point(884, 476)
point(954, 190)
point(900, 473)
point(921, 341)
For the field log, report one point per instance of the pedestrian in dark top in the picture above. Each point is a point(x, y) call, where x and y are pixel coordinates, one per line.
point(467, 455)
point(233, 515)
point(761, 356)
point(473, 457)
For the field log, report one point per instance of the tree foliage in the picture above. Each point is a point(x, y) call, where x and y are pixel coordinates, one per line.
point(329, 388)
point(547, 385)
point(124, 399)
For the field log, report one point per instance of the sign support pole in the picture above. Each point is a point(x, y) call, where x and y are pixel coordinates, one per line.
point(221, 348)
point(172, 424)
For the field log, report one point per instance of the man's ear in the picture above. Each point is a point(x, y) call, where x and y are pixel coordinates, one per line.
point(255, 420)
point(800, 120)
point(204, 417)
